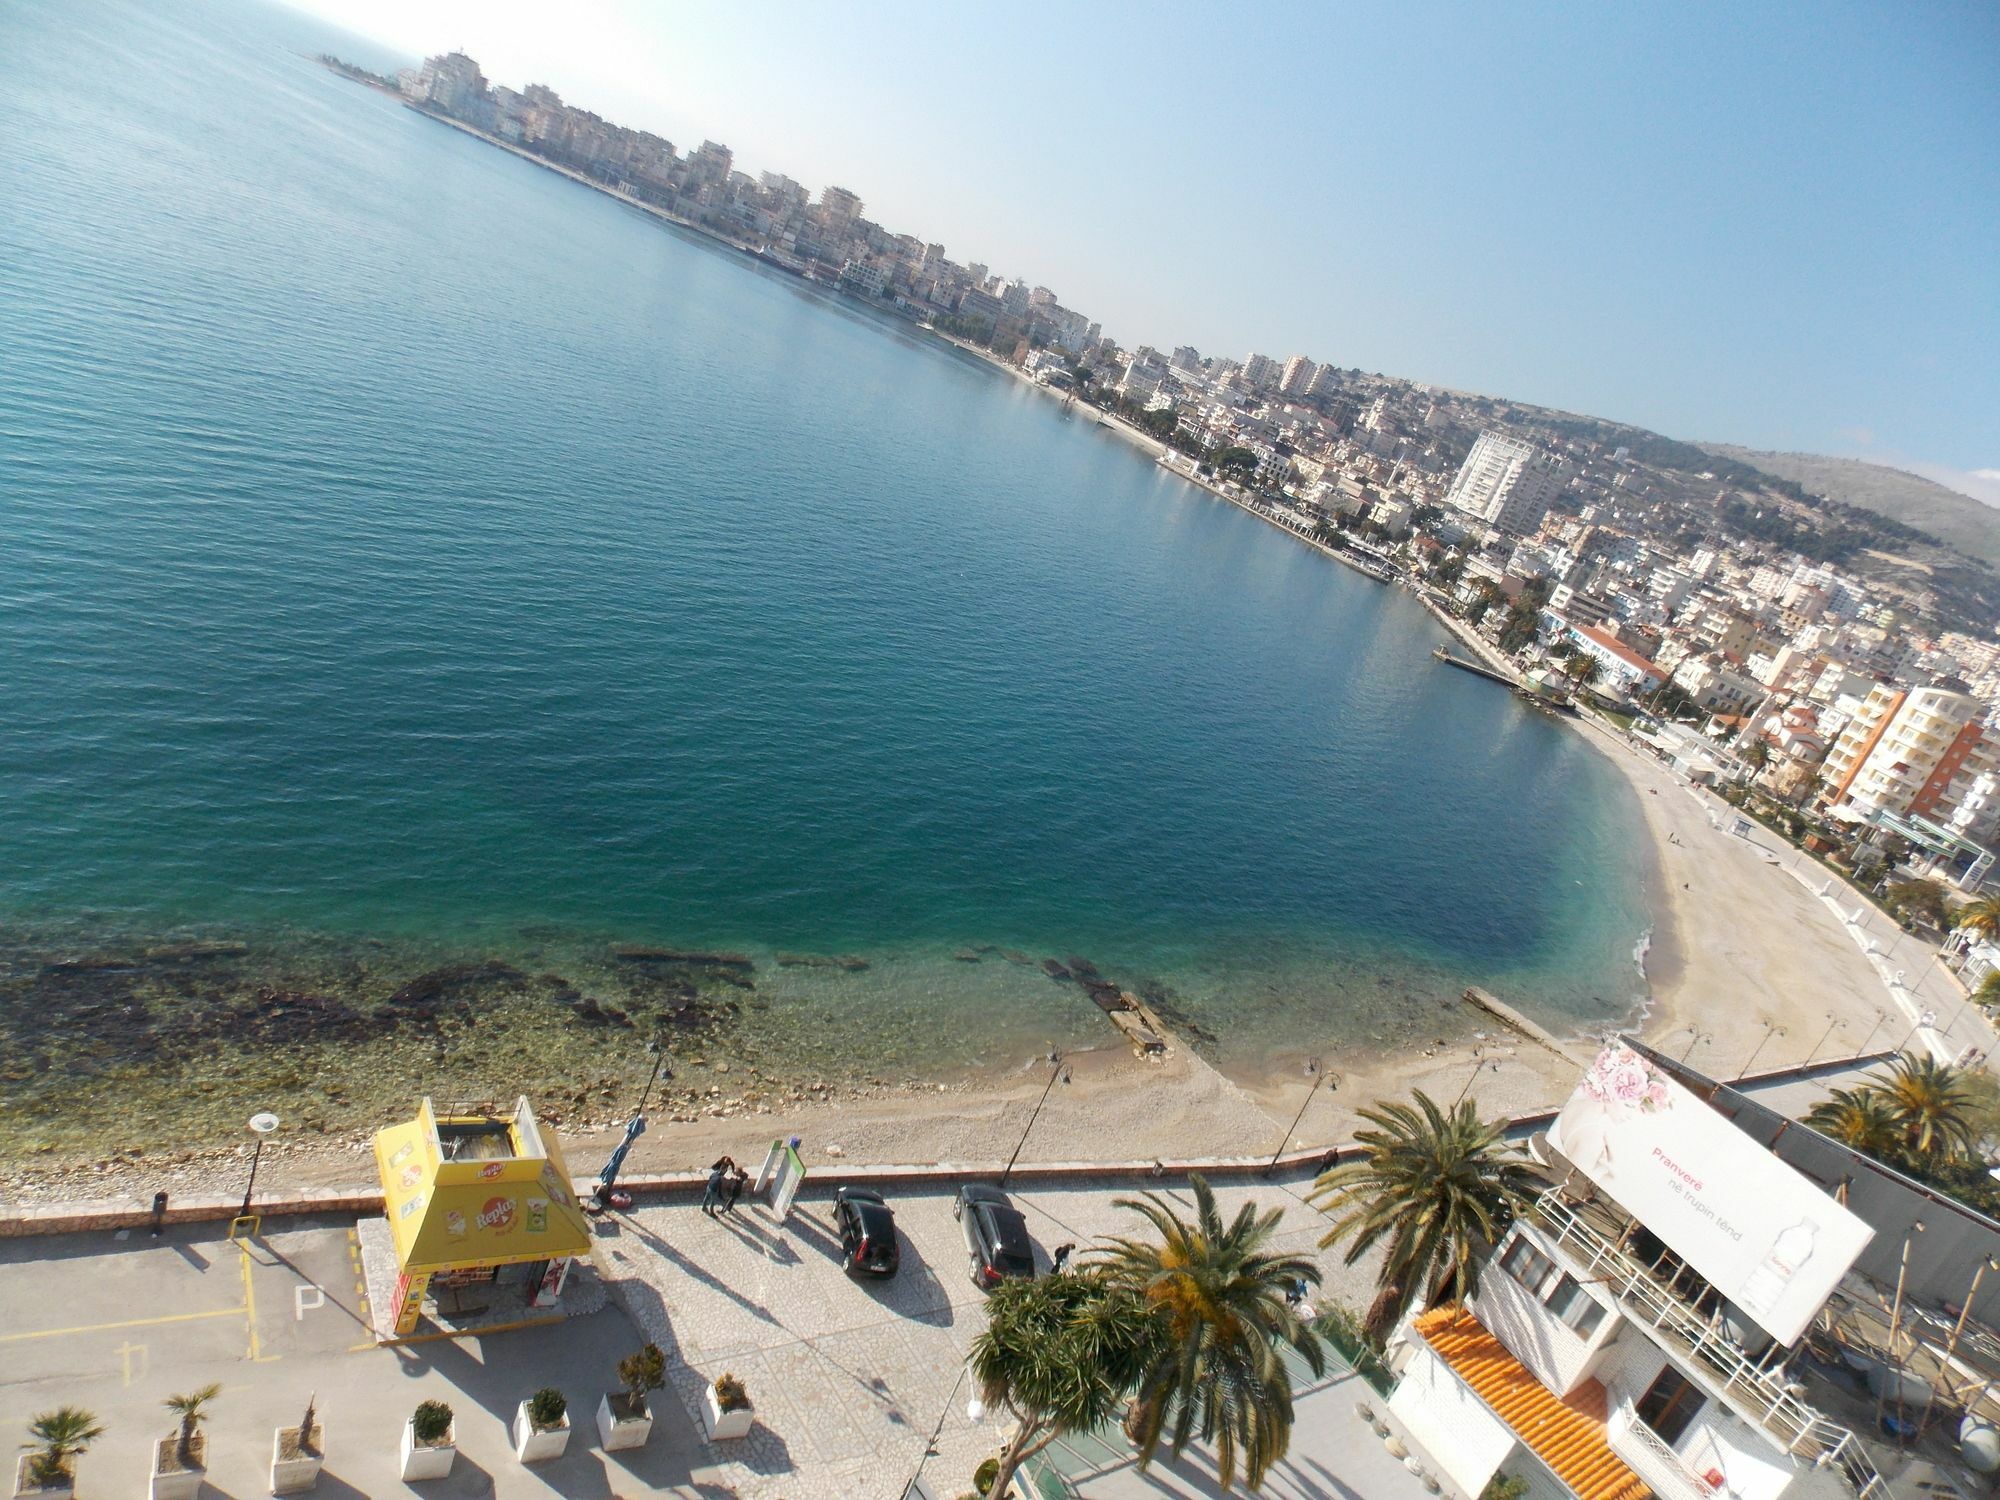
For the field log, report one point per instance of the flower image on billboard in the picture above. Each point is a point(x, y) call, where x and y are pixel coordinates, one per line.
point(1764, 1235)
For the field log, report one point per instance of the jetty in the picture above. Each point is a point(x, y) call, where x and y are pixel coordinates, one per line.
point(1478, 669)
point(1514, 1021)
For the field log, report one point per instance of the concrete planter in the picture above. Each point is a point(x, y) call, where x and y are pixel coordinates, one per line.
point(301, 1471)
point(428, 1461)
point(172, 1482)
point(25, 1485)
point(724, 1424)
point(616, 1429)
point(533, 1446)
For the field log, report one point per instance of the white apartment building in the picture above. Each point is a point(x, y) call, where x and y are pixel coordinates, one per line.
point(1506, 483)
point(1298, 375)
point(1908, 751)
point(1641, 1331)
point(1262, 371)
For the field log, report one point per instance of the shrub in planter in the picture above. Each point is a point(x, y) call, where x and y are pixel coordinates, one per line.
point(60, 1438)
point(984, 1475)
point(428, 1449)
point(541, 1426)
point(181, 1459)
point(622, 1418)
point(297, 1453)
point(725, 1408)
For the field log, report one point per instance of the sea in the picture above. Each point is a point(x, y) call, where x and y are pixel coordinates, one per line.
point(456, 628)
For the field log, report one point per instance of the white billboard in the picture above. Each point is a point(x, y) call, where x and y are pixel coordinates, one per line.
point(1770, 1240)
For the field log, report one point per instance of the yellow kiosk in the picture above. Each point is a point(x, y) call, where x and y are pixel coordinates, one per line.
point(471, 1195)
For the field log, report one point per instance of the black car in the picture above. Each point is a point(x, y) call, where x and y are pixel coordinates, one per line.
point(996, 1236)
point(867, 1228)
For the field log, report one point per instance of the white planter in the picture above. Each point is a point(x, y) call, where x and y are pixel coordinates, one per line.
point(291, 1475)
point(615, 1431)
point(24, 1486)
point(432, 1462)
point(178, 1484)
point(532, 1447)
point(724, 1424)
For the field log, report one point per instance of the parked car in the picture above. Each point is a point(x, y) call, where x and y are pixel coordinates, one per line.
point(996, 1236)
point(867, 1228)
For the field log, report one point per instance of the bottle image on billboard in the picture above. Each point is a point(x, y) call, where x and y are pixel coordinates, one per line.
point(1791, 1250)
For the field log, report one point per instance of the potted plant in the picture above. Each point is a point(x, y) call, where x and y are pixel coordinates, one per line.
point(622, 1418)
point(60, 1437)
point(180, 1460)
point(726, 1409)
point(428, 1448)
point(541, 1426)
point(297, 1453)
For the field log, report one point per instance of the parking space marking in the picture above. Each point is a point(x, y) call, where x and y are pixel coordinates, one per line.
point(301, 1306)
point(125, 1352)
point(50, 1333)
point(249, 1298)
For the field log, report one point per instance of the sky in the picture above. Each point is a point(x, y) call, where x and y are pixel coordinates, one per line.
point(1776, 225)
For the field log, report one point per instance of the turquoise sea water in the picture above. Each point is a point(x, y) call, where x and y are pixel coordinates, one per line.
point(406, 552)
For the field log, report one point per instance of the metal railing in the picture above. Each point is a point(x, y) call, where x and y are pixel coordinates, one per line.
point(1651, 1456)
point(1755, 1393)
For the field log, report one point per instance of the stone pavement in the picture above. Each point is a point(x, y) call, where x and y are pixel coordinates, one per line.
point(849, 1378)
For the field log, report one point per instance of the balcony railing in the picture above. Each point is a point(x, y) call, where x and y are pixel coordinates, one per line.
point(1650, 1456)
point(1757, 1394)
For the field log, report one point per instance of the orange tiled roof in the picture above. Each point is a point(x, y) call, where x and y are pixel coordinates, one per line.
point(1568, 1436)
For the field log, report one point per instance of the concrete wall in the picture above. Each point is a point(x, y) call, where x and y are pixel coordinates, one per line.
point(1465, 1440)
point(1550, 1348)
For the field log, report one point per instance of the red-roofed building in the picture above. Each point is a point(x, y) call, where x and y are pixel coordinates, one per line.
point(1620, 667)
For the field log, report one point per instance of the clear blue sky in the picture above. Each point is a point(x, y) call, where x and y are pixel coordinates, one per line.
point(1771, 225)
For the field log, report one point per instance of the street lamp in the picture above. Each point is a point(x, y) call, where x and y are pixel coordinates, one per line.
point(634, 1128)
point(1313, 1072)
point(261, 1124)
point(1832, 1026)
point(1771, 1029)
point(1881, 1016)
point(1696, 1036)
point(1056, 1070)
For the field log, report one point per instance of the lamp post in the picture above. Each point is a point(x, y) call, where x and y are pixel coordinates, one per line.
point(634, 1128)
point(261, 1124)
point(1478, 1067)
point(1833, 1023)
point(1313, 1072)
point(1881, 1016)
point(1056, 1070)
point(1696, 1036)
point(1771, 1029)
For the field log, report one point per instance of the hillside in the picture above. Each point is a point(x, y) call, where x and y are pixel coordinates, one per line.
point(1959, 521)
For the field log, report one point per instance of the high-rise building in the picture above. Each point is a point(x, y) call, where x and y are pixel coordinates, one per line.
point(1187, 358)
point(450, 82)
point(1262, 371)
point(1506, 483)
point(839, 205)
point(1298, 376)
point(1909, 750)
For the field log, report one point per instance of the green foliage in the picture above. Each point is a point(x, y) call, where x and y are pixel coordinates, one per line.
point(984, 1475)
point(431, 1422)
point(546, 1409)
point(643, 1371)
point(1504, 1487)
point(1234, 460)
point(1436, 1189)
point(730, 1393)
point(1911, 900)
point(1339, 1326)
point(1925, 1120)
point(60, 1438)
point(1216, 1294)
point(192, 1410)
point(1980, 917)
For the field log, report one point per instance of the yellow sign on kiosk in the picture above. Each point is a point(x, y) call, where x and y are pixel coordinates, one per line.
point(472, 1191)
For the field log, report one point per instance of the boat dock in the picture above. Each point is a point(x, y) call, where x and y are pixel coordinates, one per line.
point(1477, 668)
point(1514, 1021)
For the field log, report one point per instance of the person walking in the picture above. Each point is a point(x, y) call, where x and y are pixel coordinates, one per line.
point(718, 1177)
point(738, 1180)
point(1059, 1262)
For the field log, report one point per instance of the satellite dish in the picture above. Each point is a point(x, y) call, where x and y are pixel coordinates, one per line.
point(263, 1122)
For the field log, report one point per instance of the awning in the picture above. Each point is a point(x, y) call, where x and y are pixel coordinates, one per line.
point(453, 1207)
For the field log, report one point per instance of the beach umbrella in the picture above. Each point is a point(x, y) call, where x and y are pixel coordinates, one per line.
point(605, 1179)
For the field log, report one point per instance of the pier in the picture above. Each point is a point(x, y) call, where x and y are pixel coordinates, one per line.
point(1477, 668)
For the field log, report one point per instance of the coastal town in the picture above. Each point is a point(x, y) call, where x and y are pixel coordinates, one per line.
point(1836, 669)
point(1736, 1243)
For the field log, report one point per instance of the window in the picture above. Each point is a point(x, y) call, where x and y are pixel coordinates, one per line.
point(1573, 1305)
point(1527, 1265)
point(1670, 1404)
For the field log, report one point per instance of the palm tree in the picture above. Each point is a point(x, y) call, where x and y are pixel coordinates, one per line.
point(1440, 1187)
point(1217, 1295)
point(61, 1436)
point(1861, 1120)
point(1981, 917)
point(1930, 1105)
point(1582, 668)
point(1060, 1354)
point(192, 1409)
point(1988, 994)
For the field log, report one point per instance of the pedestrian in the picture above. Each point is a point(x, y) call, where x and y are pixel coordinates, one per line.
point(718, 1175)
point(738, 1180)
point(1059, 1262)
